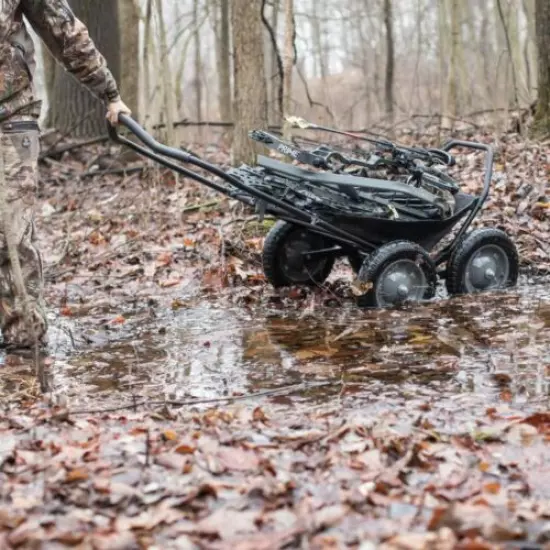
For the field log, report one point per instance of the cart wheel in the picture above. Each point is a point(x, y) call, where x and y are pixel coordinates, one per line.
point(283, 260)
point(486, 259)
point(397, 272)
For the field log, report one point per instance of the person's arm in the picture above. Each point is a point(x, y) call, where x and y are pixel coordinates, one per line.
point(68, 40)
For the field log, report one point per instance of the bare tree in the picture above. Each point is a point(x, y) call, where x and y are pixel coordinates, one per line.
point(198, 61)
point(288, 62)
point(223, 56)
point(169, 106)
point(129, 19)
point(274, 69)
point(73, 109)
point(250, 103)
point(541, 124)
point(390, 59)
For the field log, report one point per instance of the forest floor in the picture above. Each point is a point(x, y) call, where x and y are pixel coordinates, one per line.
point(318, 454)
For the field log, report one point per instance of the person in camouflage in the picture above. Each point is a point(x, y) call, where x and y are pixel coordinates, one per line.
point(68, 40)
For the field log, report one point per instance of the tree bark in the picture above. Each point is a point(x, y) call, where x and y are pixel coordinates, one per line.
point(518, 67)
point(390, 60)
point(224, 63)
point(541, 126)
point(198, 63)
point(250, 103)
point(274, 75)
point(502, 68)
point(128, 14)
point(288, 63)
point(444, 69)
point(147, 53)
point(74, 109)
point(454, 61)
point(169, 106)
point(530, 47)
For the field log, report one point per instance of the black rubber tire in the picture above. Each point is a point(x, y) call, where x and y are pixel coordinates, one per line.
point(456, 266)
point(273, 255)
point(382, 257)
point(355, 261)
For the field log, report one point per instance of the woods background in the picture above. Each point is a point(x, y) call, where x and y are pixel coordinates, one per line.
point(376, 64)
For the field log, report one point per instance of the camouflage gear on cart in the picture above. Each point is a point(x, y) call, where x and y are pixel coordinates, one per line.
point(69, 42)
point(67, 39)
point(19, 148)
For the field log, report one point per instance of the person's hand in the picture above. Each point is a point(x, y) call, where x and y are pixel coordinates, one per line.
point(115, 108)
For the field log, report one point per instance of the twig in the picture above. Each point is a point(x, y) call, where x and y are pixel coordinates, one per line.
point(310, 100)
point(273, 39)
point(285, 390)
point(194, 207)
point(147, 448)
point(53, 151)
point(114, 171)
point(253, 217)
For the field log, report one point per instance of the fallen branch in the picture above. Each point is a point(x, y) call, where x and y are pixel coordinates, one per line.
point(114, 171)
point(55, 151)
point(285, 390)
point(194, 207)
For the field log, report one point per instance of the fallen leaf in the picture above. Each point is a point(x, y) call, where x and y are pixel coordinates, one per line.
point(233, 458)
point(169, 435)
point(78, 474)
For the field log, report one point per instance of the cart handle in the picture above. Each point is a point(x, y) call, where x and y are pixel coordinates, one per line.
point(146, 138)
point(489, 156)
point(158, 151)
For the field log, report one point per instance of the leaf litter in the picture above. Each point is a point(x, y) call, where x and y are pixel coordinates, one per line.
point(266, 478)
point(283, 474)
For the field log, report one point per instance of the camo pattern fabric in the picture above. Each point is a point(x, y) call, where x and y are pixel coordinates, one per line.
point(19, 150)
point(64, 35)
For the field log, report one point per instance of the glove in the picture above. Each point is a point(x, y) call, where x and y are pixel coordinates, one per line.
point(116, 107)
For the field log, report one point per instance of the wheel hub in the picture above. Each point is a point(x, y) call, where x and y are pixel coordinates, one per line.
point(403, 290)
point(298, 265)
point(487, 268)
point(401, 280)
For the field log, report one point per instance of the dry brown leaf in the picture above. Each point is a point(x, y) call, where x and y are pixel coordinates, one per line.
point(77, 474)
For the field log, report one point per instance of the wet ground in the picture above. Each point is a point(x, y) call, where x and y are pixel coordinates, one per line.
point(471, 351)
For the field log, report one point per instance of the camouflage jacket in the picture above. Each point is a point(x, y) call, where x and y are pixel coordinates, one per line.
point(67, 39)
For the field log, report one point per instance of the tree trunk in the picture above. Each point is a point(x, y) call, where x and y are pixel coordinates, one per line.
point(169, 106)
point(198, 63)
point(444, 69)
point(530, 47)
point(486, 46)
point(274, 76)
point(518, 67)
point(128, 14)
point(288, 63)
point(74, 109)
point(454, 61)
point(224, 63)
point(250, 103)
point(502, 68)
point(147, 55)
point(541, 126)
point(390, 61)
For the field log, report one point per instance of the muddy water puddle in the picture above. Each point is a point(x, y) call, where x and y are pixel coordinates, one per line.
point(471, 351)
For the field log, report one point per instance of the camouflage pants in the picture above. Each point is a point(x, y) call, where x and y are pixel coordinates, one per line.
point(19, 144)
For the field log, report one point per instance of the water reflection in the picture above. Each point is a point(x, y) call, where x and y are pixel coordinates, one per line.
point(490, 349)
